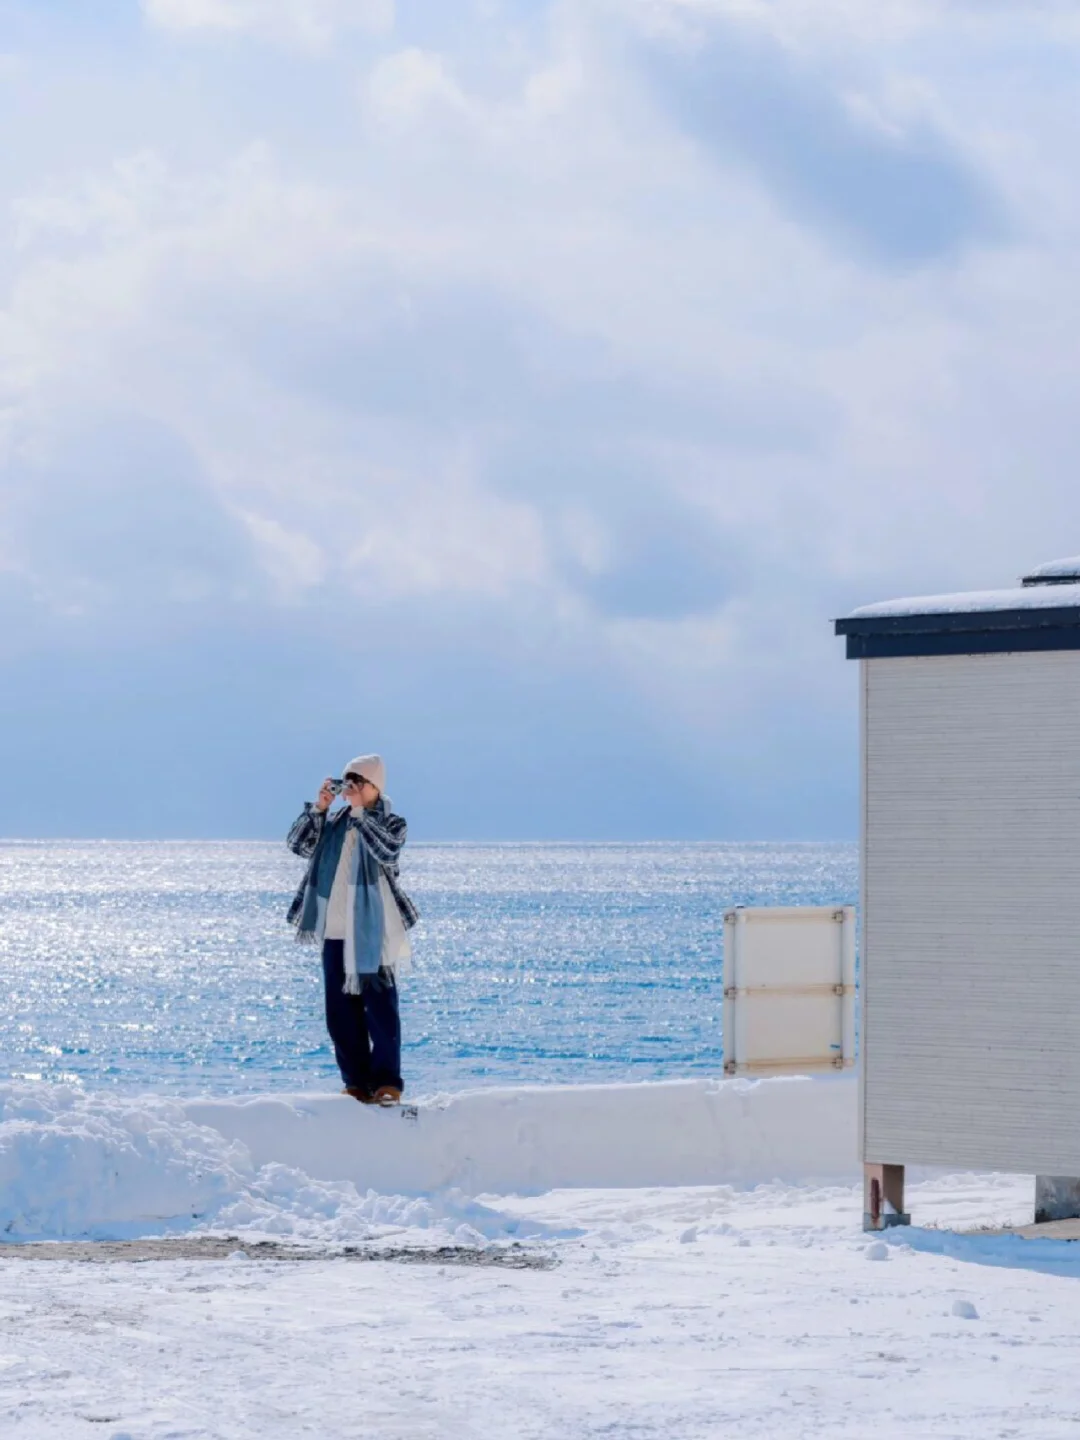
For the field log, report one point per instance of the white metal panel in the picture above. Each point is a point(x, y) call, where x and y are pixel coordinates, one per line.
point(789, 985)
point(971, 911)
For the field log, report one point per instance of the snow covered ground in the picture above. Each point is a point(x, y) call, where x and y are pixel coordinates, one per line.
point(746, 1306)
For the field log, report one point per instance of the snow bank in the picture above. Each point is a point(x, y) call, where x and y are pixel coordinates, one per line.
point(325, 1168)
point(692, 1132)
point(104, 1168)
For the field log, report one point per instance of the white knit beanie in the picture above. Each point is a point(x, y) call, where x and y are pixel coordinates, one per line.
point(370, 767)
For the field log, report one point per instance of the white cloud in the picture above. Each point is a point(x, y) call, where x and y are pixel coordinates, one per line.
point(855, 25)
point(405, 85)
point(292, 558)
point(307, 23)
point(445, 541)
point(512, 333)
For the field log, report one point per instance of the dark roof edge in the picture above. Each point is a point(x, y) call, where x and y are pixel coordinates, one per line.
point(963, 622)
point(963, 642)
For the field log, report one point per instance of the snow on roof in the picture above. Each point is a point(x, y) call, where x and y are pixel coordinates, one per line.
point(1054, 572)
point(1030, 597)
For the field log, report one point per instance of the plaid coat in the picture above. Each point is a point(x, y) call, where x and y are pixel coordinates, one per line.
point(382, 832)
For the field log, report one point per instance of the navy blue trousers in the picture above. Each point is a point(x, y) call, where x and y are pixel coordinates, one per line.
point(365, 1028)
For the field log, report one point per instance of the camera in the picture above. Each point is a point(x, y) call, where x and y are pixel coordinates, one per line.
point(335, 786)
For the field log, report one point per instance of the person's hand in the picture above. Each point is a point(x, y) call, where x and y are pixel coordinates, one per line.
point(325, 796)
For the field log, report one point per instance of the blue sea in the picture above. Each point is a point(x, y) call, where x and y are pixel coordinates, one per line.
point(168, 966)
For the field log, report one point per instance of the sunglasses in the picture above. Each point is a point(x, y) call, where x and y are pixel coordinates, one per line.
point(351, 779)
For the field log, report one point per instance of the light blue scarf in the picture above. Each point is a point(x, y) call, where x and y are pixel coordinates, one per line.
point(364, 906)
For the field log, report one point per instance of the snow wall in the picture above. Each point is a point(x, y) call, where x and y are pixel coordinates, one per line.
point(323, 1167)
point(517, 1141)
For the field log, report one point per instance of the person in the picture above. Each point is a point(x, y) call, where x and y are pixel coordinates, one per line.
point(351, 903)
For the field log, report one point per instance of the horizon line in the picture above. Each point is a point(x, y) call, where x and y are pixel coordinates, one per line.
point(413, 844)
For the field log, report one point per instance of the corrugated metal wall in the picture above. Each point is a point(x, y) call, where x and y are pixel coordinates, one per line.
point(971, 911)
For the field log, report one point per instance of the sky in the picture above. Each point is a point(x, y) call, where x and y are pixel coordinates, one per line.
point(518, 389)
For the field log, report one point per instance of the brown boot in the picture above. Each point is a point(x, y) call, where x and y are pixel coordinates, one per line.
point(364, 1096)
point(387, 1095)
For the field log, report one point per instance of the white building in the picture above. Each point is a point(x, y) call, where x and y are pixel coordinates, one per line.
point(970, 955)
